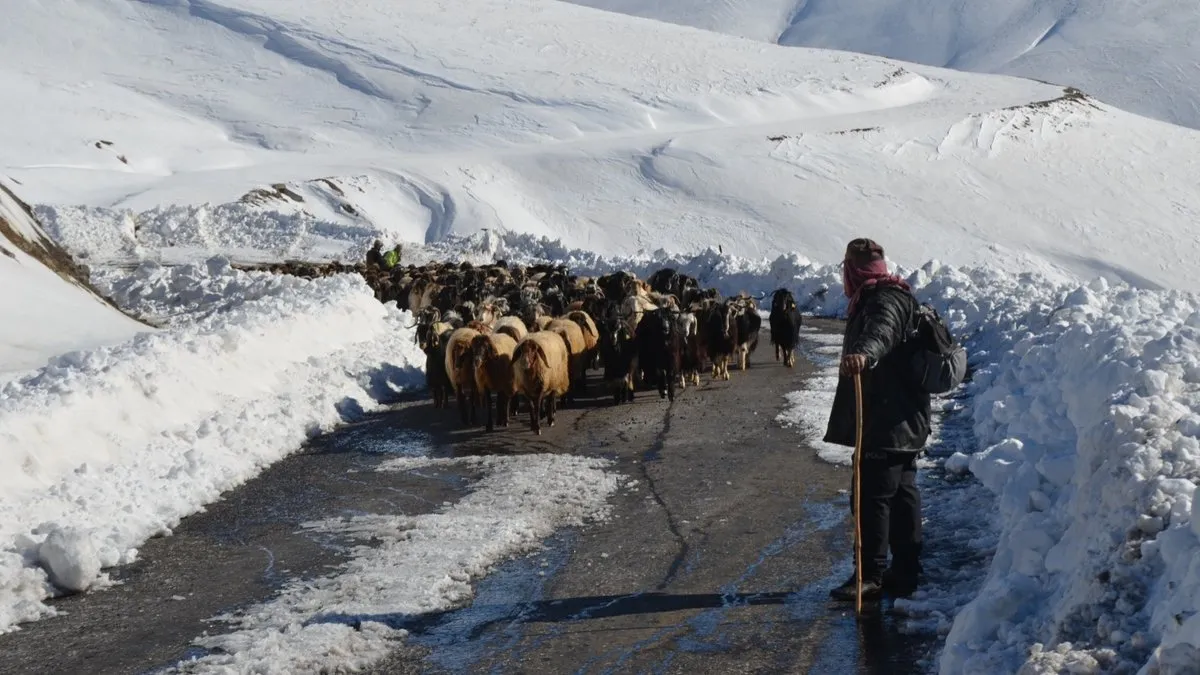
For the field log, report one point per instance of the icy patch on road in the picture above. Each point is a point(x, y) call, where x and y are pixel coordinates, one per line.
point(808, 409)
point(414, 566)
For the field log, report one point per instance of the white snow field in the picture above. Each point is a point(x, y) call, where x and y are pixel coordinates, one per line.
point(1139, 56)
point(605, 131)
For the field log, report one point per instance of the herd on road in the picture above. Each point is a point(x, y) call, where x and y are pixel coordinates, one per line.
point(500, 336)
point(531, 334)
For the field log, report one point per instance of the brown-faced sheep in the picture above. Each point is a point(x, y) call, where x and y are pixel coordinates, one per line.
point(492, 357)
point(540, 372)
point(461, 370)
point(572, 337)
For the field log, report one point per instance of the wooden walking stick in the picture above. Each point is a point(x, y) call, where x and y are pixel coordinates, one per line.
point(858, 450)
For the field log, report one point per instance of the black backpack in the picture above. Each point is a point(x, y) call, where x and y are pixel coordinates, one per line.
point(938, 363)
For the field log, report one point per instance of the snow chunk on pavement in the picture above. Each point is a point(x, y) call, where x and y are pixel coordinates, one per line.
point(70, 558)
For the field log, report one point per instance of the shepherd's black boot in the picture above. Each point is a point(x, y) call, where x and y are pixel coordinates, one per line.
point(900, 582)
point(872, 589)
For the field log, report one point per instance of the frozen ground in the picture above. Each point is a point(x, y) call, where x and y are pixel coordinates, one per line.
point(348, 620)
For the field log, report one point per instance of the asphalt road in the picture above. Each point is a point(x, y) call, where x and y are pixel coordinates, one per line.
point(718, 559)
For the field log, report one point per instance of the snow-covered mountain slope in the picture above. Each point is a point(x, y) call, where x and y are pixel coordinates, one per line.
point(48, 307)
point(1140, 56)
point(605, 131)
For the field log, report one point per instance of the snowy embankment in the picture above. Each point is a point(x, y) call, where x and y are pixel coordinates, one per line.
point(46, 304)
point(102, 449)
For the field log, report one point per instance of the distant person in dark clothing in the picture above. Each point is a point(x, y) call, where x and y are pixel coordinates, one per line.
point(882, 315)
point(375, 255)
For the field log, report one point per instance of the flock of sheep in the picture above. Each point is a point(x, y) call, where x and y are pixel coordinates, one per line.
point(532, 332)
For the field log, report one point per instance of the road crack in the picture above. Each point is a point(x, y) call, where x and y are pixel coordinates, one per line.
point(653, 455)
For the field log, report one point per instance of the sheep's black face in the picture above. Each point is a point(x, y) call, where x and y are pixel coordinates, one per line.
point(664, 325)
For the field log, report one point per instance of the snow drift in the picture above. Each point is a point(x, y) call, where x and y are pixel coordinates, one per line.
point(48, 304)
point(103, 448)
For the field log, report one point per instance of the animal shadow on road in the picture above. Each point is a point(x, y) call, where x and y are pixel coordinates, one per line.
point(878, 648)
point(567, 609)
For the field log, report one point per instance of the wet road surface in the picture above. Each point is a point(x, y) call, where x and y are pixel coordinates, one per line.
point(718, 558)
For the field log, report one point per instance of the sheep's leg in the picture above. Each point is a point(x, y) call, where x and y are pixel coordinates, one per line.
point(535, 409)
point(670, 385)
point(551, 404)
point(777, 354)
point(487, 403)
point(462, 406)
point(502, 408)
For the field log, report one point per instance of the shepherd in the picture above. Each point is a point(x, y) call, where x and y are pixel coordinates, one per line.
point(392, 257)
point(896, 412)
point(375, 254)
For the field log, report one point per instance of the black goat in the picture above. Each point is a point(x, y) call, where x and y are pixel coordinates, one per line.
point(785, 321)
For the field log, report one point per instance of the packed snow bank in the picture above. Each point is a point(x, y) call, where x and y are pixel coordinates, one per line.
point(352, 618)
point(1091, 425)
point(101, 449)
point(47, 306)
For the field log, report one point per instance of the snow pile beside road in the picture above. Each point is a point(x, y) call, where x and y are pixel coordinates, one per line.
point(102, 449)
point(1092, 423)
point(414, 566)
point(154, 291)
point(179, 234)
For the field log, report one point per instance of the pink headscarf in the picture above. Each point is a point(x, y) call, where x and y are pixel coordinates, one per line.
point(858, 277)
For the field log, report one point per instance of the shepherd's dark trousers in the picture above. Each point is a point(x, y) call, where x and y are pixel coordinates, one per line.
point(891, 513)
